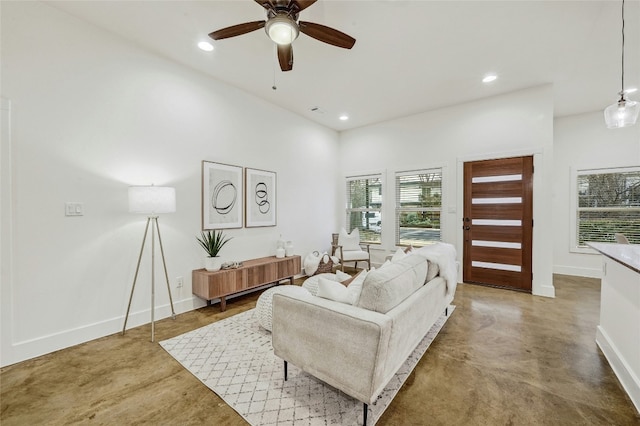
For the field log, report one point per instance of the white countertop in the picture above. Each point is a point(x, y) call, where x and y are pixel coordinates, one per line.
point(626, 254)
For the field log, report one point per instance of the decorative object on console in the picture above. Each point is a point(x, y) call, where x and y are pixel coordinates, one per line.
point(280, 248)
point(260, 203)
point(288, 249)
point(222, 196)
point(151, 200)
point(349, 248)
point(212, 243)
point(624, 112)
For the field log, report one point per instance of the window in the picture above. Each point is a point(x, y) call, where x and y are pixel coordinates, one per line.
point(418, 206)
point(608, 202)
point(364, 203)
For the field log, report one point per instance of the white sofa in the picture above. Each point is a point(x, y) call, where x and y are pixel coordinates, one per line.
point(358, 348)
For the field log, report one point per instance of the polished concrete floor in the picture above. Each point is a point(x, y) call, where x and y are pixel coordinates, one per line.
point(503, 358)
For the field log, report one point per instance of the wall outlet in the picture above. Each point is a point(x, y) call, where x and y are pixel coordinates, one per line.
point(179, 282)
point(72, 208)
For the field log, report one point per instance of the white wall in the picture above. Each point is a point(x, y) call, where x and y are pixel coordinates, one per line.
point(520, 123)
point(92, 114)
point(584, 142)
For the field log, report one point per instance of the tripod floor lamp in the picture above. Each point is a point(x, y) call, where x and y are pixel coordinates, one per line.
point(151, 200)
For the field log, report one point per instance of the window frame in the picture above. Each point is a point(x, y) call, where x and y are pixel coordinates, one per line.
point(349, 210)
point(399, 209)
point(575, 209)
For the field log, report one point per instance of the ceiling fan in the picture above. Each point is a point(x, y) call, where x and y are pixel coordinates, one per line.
point(282, 26)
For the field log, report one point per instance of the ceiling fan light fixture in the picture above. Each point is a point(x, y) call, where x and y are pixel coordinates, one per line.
point(282, 29)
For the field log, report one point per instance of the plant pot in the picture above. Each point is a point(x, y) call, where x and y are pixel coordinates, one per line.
point(212, 263)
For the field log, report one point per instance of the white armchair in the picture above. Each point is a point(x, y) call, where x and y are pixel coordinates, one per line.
point(349, 249)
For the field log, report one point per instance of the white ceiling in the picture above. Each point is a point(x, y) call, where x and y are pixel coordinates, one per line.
point(409, 57)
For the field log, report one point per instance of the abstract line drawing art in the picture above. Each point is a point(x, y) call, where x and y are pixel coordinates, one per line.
point(260, 202)
point(222, 196)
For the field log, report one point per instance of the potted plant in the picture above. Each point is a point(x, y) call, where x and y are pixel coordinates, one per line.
point(212, 242)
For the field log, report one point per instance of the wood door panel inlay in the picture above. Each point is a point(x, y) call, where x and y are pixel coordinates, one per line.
point(497, 255)
point(497, 278)
point(501, 167)
point(497, 211)
point(486, 189)
point(497, 233)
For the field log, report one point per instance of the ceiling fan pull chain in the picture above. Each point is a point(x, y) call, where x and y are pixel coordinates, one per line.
point(273, 66)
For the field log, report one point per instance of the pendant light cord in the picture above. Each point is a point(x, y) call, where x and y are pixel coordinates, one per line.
point(622, 88)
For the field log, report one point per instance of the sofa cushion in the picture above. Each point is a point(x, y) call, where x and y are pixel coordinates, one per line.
point(385, 288)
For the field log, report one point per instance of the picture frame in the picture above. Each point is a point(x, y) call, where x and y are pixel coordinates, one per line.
point(222, 196)
point(260, 198)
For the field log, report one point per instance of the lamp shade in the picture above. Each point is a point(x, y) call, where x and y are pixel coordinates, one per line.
point(152, 199)
point(623, 113)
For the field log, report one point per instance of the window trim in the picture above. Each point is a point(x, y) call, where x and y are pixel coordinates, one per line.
point(573, 213)
point(361, 176)
point(396, 202)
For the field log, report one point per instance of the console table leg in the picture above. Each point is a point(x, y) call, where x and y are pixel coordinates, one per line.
point(223, 304)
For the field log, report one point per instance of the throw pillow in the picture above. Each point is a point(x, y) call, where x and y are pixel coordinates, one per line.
point(342, 276)
point(399, 254)
point(311, 283)
point(355, 287)
point(333, 290)
point(349, 241)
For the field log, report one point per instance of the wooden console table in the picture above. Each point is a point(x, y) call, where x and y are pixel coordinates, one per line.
point(253, 273)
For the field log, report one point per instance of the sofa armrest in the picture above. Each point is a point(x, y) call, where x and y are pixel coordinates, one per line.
point(342, 345)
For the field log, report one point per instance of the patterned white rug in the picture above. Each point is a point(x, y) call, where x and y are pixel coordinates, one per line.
point(234, 358)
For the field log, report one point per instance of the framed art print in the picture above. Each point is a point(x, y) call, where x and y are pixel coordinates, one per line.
point(260, 198)
point(222, 196)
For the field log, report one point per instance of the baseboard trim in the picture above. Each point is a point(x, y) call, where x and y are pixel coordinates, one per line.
point(544, 291)
point(32, 348)
point(629, 381)
point(577, 272)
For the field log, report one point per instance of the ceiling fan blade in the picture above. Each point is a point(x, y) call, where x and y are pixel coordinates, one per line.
point(267, 4)
point(285, 57)
point(237, 30)
point(302, 4)
point(327, 34)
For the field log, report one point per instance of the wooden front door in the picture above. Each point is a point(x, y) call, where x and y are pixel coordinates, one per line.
point(498, 222)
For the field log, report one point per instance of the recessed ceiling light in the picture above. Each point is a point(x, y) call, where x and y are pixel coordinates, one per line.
point(489, 78)
point(344, 117)
point(206, 46)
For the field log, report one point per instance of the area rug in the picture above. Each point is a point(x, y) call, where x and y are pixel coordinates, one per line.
point(234, 358)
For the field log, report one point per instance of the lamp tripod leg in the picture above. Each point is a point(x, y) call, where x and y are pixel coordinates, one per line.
point(135, 277)
point(166, 275)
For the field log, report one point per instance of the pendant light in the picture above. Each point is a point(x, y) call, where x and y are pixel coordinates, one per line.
point(623, 113)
